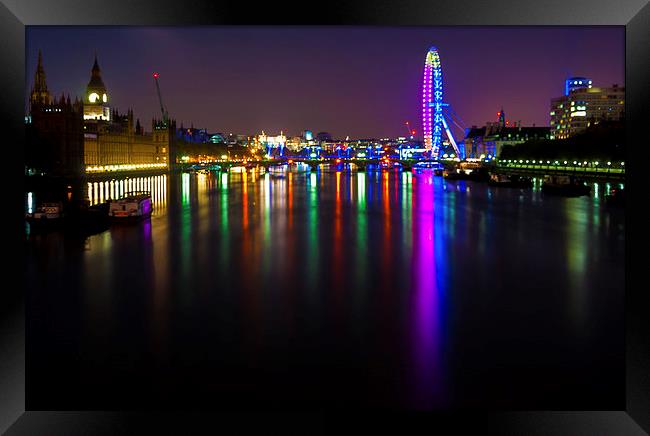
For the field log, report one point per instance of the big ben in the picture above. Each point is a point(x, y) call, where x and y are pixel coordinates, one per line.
point(96, 98)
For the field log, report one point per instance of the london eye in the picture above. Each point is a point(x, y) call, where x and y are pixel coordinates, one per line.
point(433, 119)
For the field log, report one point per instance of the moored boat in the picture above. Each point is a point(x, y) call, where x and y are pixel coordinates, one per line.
point(564, 185)
point(467, 171)
point(132, 206)
point(510, 181)
point(436, 167)
point(48, 214)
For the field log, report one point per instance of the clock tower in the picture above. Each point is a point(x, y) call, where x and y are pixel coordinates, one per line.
point(96, 99)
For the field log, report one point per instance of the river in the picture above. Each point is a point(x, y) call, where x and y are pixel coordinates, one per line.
point(328, 290)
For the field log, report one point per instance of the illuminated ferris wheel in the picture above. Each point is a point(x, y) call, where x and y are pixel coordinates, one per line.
point(433, 119)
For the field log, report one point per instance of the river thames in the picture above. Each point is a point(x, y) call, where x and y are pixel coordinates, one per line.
point(331, 290)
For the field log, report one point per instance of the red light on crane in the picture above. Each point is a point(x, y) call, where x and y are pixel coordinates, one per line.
point(155, 75)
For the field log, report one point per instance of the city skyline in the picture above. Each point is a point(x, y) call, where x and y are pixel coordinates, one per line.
point(349, 81)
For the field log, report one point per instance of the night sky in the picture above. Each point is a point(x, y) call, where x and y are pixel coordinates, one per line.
point(358, 81)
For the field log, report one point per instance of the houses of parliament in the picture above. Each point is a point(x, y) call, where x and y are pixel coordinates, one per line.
point(72, 138)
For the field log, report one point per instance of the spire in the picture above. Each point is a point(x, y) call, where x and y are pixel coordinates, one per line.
point(96, 83)
point(40, 93)
point(96, 65)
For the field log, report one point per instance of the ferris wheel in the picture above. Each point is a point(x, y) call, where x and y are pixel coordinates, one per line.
point(433, 118)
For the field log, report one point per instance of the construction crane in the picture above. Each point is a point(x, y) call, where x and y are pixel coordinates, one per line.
point(411, 132)
point(162, 107)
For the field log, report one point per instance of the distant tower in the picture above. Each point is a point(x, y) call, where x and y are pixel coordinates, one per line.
point(40, 93)
point(502, 118)
point(54, 133)
point(96, 98)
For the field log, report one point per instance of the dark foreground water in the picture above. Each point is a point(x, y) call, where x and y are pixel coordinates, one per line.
point(332, 290)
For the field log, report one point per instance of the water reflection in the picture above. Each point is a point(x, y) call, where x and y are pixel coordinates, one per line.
point(428, 378)
point(398, 289)
point(102, 191)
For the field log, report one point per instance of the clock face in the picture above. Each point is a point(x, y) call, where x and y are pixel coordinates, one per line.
point(93, 97)
point(104, 98)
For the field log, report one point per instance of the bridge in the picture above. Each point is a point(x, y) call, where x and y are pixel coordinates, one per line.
point(361, 164)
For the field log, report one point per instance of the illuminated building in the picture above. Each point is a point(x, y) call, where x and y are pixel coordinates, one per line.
point(573, 83)
point(96, 100)
point(113, 143)
point(54, 131)
point(194, 135)
point(488, 141)
point(217, 138)
point(272, 142)
point(584, 106)
point(295, 143)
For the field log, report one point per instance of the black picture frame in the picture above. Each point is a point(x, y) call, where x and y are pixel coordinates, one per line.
point(16, 14)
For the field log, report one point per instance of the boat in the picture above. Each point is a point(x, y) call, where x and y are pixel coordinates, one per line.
point(564, 185)
point(48, 214)
point(133, 206)
point(467, 171)
point(510, 181)
point(435, 166)
point(458, 174)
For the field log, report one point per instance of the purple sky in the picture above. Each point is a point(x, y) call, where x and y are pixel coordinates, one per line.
point(356, 81)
